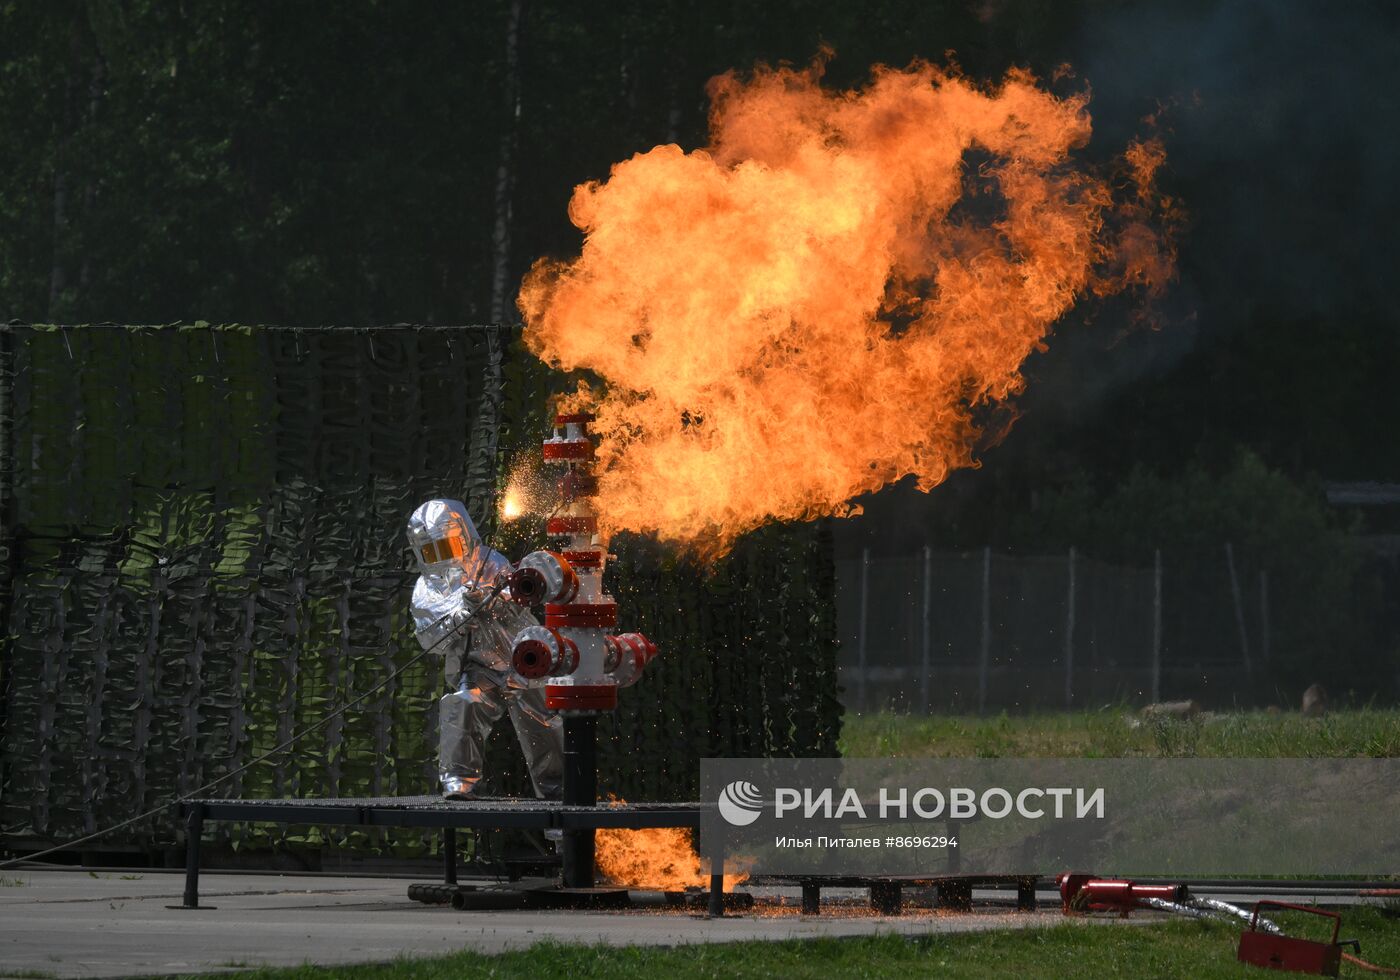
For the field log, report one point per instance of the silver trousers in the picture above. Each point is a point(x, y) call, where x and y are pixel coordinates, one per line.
point(466, 715)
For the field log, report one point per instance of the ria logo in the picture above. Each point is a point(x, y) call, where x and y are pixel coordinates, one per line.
point(740, 803)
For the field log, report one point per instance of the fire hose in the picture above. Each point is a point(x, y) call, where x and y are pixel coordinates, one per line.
point(1264, 943)
point(1209, 908)
point(1088, 893)
point(1358, 962)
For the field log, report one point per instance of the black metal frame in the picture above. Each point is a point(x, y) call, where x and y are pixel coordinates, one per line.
point(887, 891)
point(577, 823)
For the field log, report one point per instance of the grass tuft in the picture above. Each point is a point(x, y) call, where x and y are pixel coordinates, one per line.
point(1119, 732)
point(1188, 948)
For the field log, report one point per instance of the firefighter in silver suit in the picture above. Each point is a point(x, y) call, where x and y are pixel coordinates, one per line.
point(458, 573)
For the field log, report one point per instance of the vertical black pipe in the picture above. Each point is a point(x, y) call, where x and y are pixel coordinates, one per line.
point(717, 887)
point(194, 830)
point(580, 789)
point(716, 846)
point(449, 855)
point(717, 892)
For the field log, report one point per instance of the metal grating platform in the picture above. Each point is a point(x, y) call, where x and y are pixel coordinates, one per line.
point(433, 811)
point(502, 812)
point(886, 891)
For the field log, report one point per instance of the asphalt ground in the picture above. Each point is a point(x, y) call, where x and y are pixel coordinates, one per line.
point(111, 924)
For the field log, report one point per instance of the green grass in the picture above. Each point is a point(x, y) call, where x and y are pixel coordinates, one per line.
point(1173, 949)
point(1110, 734)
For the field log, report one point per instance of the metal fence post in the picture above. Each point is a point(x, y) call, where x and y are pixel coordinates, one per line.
point(1264, 615)
point(985, 656)
point(1239, 609)
point(927, 659)
point(864, 617)
point(1069, 636)
point(1157, 627)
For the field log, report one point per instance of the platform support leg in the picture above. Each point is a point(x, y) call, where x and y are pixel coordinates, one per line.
point(717, 886)
point(811, 899)
point(449, 855)
point(886, 897)
point(955, 895)
point(194, 830)
point(1025, 895)
point(580, 789)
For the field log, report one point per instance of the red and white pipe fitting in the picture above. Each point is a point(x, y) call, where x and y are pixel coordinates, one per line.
point(543, 576)
point(542, 652)
point(627, 656)
point(586, 664)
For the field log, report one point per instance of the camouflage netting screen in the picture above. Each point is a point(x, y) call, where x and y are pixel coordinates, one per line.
point(203, 553)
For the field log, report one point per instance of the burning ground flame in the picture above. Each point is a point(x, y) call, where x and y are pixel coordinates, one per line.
point(662, 858)
point(827, 297)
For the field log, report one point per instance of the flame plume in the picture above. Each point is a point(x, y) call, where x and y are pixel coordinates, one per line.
point(816, 304)
point(663, 858)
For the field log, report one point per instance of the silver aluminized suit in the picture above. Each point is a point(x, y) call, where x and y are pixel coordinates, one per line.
point(458, 572)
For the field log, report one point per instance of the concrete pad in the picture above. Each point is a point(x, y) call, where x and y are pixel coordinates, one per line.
point(81, 924)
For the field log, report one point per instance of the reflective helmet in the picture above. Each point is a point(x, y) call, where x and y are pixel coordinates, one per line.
point(442, 535)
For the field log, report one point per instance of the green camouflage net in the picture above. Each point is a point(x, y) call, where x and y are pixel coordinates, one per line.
point(203, 553)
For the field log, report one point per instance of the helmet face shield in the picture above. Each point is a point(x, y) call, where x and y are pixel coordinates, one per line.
point(442, 536)
point(443, 549)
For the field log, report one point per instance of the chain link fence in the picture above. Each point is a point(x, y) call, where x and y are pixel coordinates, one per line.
point(980, 631)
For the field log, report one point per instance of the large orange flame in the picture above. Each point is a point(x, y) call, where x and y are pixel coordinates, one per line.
point(662, 858)
point(816, 305)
